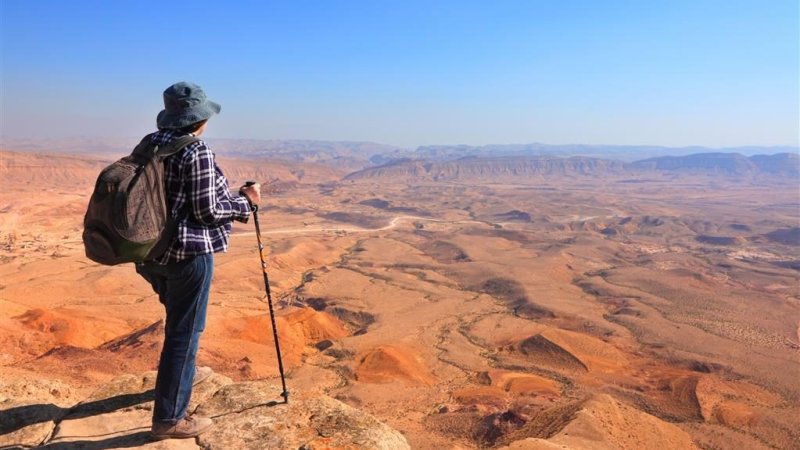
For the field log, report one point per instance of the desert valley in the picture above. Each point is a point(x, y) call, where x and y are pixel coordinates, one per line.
point(504, 298)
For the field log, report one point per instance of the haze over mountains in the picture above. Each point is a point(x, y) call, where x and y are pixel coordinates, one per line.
point(783, 165)
point(362, 149)
point(368, 159)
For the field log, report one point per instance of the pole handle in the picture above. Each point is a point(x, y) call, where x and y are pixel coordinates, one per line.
point(249, 183)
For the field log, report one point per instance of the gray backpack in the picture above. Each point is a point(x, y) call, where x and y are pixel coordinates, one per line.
point(128, 218)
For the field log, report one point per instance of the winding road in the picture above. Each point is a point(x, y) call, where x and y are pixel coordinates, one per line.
point(392, 224)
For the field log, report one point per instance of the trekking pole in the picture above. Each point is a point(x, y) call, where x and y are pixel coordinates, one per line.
point(285, 393)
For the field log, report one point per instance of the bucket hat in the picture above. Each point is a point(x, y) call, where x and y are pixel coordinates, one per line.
point(184, 104)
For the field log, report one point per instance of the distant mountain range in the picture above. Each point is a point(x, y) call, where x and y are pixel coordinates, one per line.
point(626, 153)
point(27, 167)
point(731, 163)
point(370, 153)
point(781, 165)
point(372, 160)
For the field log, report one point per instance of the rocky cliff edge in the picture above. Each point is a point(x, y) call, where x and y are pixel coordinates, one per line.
point(247, 415)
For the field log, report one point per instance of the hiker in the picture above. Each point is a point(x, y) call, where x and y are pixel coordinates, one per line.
point(199, 197)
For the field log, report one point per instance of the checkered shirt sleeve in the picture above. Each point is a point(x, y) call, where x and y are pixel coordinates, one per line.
point(199, 196)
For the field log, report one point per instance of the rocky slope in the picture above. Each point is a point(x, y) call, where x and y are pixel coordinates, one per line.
point(601, 423)
point(247, 415)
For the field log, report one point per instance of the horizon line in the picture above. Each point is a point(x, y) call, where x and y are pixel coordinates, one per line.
point(3, 140)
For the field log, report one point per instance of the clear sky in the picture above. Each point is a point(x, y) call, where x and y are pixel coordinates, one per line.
point(671, 72)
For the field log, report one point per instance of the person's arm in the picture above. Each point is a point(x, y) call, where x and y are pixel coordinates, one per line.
point(248, 208)
point(252, 193)
point(208, 208)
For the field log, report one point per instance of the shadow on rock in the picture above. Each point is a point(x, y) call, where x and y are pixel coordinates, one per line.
point(132, 440)
point(18, 417)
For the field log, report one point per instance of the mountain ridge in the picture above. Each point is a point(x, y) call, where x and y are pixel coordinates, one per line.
point(779, 163)
point(782, 164)
point(366, 153)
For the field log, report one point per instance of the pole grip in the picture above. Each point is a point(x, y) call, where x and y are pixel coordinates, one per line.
point(249, 183)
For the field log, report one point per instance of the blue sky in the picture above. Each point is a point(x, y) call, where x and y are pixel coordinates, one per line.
point(713, 73)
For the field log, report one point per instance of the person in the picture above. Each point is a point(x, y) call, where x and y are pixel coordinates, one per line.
point(200, 199)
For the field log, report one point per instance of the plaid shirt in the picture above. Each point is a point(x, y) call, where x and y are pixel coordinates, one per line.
point(196, 186)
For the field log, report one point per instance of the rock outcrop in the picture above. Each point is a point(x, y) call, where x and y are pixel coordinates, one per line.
point(247, 415)
point(29, 411)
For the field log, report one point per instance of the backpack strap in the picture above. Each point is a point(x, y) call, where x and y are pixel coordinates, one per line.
point(144, 149)
point(170, 149)
point(175, 146)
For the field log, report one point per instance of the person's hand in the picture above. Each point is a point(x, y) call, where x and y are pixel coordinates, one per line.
point(252, 193)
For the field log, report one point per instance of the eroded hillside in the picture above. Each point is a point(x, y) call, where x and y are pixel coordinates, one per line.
point(562, 309)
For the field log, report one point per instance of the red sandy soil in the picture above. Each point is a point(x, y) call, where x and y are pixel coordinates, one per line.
point(455, 329)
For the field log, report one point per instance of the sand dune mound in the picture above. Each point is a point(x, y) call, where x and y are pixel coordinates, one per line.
point(356, 320)
point(601, 423)
point(68, 327)
point(313, 326)
point(78, 365)
point(734, 414)
point(732, 403)
point(389, 363)
point(593, 352)
point(680, 398)
point(482, 398)
point(523, 383)
point(444, 252)
point(301, 327)
point(706, 398)
point(547, 353)
point(90, 362)
point(500, 392)
point(503, 424)
point(572, 351)
point(135, 351)
point(142, 340)
point(244, 346)
point(504, 388)
point(511, 294)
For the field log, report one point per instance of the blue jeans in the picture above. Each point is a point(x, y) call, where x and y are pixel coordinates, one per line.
point(183, 288)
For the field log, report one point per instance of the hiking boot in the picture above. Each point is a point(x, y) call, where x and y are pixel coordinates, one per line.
point(187, 427)
point(201, 374)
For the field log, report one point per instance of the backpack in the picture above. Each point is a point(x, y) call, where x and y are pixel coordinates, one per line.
point(128, 218)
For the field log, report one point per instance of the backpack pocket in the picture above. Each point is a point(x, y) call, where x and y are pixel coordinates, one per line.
point(99, 247)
